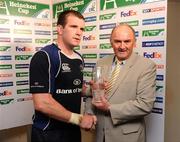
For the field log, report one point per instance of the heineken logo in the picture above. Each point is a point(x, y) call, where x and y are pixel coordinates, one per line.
point(89, 28)
point(22, 57)
point(5, 48)
point(4, 21)
point(6, 101)
point(155, 32)
point(42, 41)
point(107, 16)
point(105, 46)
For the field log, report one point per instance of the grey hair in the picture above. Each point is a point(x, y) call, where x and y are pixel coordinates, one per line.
point(124, 24)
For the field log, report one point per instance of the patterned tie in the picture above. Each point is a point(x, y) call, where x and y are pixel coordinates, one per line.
point(113, 78)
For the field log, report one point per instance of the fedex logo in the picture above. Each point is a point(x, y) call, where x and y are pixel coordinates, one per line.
point(129, 13)
point(23, 48)
point(21, 22)
point(152, 55)
point(90, 37)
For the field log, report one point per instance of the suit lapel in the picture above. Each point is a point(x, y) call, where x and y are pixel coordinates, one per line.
point(123, 73)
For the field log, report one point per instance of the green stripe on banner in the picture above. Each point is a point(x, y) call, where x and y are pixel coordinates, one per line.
point(109, 4)
point(23, 8)
point(82, 6)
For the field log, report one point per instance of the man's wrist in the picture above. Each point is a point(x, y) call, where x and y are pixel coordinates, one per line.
point(75, 118)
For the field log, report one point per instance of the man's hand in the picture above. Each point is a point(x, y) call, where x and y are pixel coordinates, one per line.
point(88, 121)
point(103, 104)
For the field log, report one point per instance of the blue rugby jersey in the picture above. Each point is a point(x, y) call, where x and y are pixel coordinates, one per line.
point(51, 71)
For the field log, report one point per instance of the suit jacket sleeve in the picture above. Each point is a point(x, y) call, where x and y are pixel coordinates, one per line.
point(144, 98)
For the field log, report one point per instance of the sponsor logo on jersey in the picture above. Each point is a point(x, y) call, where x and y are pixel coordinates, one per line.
point(68, 91)
point(77, 82)
point(65, 67)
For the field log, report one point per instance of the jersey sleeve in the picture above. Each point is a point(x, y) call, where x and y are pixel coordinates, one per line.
point(39, 73)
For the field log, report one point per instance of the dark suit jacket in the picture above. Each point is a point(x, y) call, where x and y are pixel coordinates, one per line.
point(132, 98)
